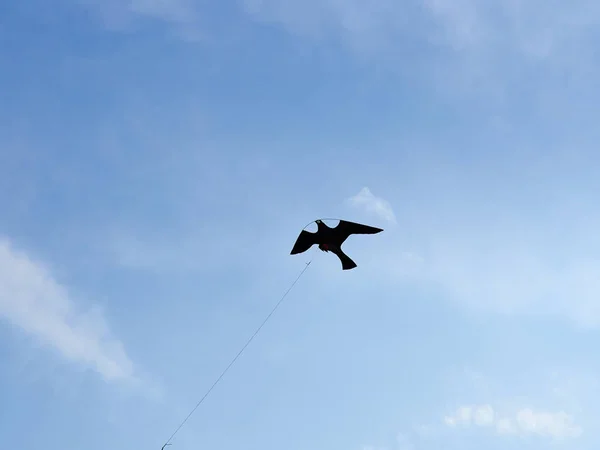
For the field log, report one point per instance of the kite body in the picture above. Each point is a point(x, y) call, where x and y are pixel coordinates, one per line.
point(331, 239)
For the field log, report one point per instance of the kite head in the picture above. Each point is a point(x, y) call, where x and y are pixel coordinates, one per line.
point(320, 224)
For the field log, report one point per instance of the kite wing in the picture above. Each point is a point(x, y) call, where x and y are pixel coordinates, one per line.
point(305, 240)
point(345, 229)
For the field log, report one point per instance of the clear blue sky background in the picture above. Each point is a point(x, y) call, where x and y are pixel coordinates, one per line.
point(158, 159)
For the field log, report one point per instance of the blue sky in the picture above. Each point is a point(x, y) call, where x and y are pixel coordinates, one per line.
point(158, 159)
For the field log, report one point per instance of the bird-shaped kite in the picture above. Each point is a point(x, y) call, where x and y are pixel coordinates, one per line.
point(331, 239)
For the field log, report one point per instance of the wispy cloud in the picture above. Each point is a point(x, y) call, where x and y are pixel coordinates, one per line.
point(182, 15)
point(32, 300)
point(477, 39)
point(534, 28)
point(467, 45)
point(525, 421)
point(373, 205)
point(513, 276)
point(357, 23)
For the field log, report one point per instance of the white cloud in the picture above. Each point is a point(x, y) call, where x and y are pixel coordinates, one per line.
point(523, 422)
point(556, 425)
point(33, 301)
point(483, 416)
point(462, 416)
point(505, 426)
point(373, 205)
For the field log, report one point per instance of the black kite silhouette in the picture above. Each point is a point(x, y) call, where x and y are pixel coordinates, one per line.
point(331, 239)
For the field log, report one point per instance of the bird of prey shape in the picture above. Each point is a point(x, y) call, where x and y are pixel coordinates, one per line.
point(331, 239)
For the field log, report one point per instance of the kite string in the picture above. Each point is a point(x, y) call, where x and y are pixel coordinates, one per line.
point(238, 354)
